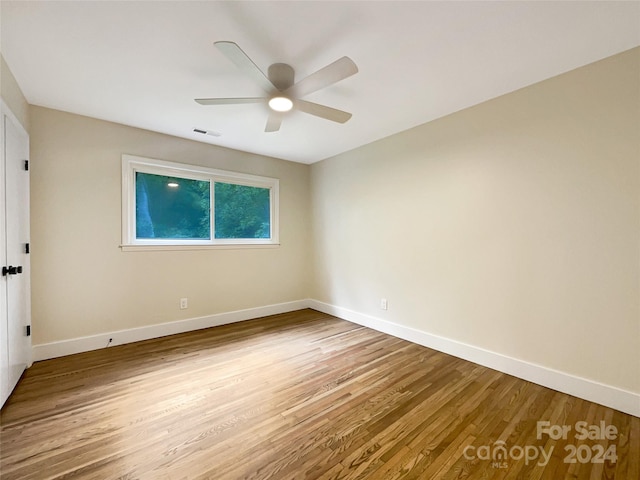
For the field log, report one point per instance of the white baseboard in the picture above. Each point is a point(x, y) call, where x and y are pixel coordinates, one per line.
point(603, 394)
point(590, 390)
point(120, 337)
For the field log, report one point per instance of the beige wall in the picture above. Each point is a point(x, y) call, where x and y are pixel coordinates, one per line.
point(12, 95)
point(513, 226)
point(83, 284)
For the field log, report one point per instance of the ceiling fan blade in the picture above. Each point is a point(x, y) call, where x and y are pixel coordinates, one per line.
point(229, 101)
point(323, 111)
point(234, 53)
point(332, 73)
point(273, 122)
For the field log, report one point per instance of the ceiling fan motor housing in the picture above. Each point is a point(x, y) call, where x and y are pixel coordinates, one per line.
point(281, 75)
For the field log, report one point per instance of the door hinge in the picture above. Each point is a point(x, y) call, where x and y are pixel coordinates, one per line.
point(28, 330)
point(26, 165)
point(27, 248)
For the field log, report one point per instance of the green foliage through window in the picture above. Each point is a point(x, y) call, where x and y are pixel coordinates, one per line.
point(179, 208)
point(166, 204)
point(241, 211)
point(170, 207)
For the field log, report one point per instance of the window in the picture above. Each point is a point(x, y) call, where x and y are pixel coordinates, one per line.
point(167, 204)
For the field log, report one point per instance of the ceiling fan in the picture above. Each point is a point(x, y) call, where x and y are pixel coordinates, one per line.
point(282, 93)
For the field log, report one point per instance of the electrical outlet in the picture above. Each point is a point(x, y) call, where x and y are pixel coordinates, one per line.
point(384, 304)
point(184, 303)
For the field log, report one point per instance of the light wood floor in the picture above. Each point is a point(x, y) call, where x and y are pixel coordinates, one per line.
point(295, 396)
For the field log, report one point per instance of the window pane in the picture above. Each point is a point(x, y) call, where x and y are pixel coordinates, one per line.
point(241, 211)
point(172, 207)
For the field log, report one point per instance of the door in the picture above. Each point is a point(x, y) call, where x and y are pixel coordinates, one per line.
point(15, 285)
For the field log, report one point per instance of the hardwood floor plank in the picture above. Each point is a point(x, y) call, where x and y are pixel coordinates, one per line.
point(296, 396)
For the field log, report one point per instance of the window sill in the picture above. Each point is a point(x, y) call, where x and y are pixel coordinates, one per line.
point(222, 246)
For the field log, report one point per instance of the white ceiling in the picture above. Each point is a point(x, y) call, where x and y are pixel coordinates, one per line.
point(143, 63)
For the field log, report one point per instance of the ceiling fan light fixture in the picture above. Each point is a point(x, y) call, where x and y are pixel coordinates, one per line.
point(280, 104)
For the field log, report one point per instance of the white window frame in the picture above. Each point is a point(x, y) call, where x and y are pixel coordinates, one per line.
point(132, 164)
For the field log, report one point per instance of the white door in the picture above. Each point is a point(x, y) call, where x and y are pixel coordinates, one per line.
point(4, 351)
point(15, 286)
